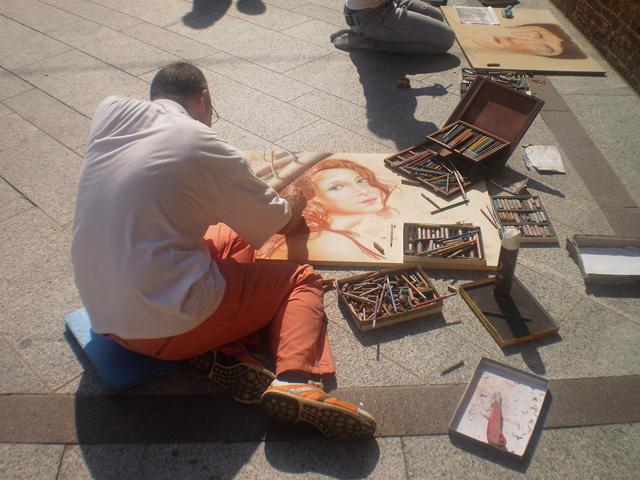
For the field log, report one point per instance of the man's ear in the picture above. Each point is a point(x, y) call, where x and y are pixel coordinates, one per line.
point(202, 102)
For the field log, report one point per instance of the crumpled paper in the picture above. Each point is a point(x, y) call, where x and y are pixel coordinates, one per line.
point(543, 158)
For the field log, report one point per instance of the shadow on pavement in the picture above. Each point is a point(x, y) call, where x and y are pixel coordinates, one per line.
point(199, 435)
point(205, 13)
point(391, 110)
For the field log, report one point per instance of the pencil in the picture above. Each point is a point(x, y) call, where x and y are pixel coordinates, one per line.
point(489, 218)
point(429, 200)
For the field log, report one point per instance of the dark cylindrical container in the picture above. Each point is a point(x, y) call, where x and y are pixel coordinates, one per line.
point(507, 262)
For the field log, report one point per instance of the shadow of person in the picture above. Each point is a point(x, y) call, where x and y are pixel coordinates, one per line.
point(163, 435)
point(391, 111)
point(319, 455)
point(205, 13)
point(251, 7)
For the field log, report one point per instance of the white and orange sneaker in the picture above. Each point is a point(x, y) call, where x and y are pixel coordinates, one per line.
point(244, 378)
point(294, 403)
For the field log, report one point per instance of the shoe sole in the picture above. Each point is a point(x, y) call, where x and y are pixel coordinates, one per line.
point(244, 383)
point(332, 421)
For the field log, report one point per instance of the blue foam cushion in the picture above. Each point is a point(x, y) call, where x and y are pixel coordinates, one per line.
point(117, 367)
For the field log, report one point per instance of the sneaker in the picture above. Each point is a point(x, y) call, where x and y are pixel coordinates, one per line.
point(244, 382)
point(293, 403)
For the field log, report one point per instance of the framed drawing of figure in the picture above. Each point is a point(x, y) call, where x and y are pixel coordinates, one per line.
point(354, 202)
point(532, 41)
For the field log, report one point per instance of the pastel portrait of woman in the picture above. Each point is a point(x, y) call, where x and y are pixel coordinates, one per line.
point(539, 39)
point(347, 205)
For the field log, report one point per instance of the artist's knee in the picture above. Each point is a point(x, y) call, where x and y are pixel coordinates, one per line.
point(447, 37)
point(307, 275)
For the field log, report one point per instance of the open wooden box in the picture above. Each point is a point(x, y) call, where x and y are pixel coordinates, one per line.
point(527, 213)
point(426, 298)
point(489, 108)
point(417, 238)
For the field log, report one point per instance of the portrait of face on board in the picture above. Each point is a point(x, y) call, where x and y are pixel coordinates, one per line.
point(533, 40)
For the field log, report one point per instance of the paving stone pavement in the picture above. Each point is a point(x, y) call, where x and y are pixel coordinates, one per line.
point(277, 82)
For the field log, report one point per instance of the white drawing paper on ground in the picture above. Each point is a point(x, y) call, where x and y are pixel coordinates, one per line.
point(477, 15)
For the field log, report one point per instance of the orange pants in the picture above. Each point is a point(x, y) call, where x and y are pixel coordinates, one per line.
point(281, 300)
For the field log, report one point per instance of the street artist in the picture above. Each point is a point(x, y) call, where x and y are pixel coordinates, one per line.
point(396, 26)
point(167, 219)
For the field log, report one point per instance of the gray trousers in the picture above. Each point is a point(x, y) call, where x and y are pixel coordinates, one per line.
point(404, 26)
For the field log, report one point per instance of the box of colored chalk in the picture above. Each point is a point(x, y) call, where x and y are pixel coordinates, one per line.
point(395, 295)
point(469, 141)
point(443, 246)
point(475, 142)
point(435, 172)
point(527, 213)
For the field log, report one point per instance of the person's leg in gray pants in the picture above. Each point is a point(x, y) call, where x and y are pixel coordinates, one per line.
point(403, 26)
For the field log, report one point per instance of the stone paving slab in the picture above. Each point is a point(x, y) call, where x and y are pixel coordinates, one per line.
point(11, 201)
point(37, 15)
point(329, 137)
point(559, 454)
point(171, 42)
point(113, 48)
point(39, 167)
point(257, 44)
point(159, 12)
point(56, 119)
point(238, 460)
point(17, 377)
point(615, 133)
point(21, 45)
point(81, 81)
point(255, 76)
point(313, 31)
point(10, 85)
point(271, 17)
point(30, 462)
point(37, 289)
point(104, 16)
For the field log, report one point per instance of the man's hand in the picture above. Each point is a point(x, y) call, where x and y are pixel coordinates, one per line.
point(297, 202)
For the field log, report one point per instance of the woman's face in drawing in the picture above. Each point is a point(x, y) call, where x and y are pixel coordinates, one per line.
point(345, 192)
point(528, 39)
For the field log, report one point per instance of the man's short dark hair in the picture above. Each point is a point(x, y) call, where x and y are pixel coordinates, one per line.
point(178, 81)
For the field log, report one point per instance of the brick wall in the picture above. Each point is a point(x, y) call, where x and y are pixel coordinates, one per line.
point(613, 26)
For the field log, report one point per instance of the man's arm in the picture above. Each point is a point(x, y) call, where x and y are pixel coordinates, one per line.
point(243, 201)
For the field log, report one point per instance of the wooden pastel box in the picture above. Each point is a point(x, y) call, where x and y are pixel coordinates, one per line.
point(424, 166)
point(366, 297)
point(469, 141)
point(527, 213)
point(489, 108)
point(443, 245)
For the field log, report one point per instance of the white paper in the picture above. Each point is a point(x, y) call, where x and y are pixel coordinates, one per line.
point(543, 158)
point(521, 405)
point(479, 15)
point(611, 260)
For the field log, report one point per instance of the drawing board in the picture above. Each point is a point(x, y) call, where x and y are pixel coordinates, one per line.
point(352, 201)
point(532, 41)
